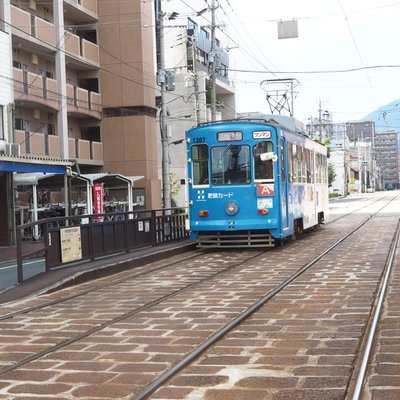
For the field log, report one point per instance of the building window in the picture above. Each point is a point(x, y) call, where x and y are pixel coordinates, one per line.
point(2, 123)
point(205, 33)
point(192, 26)
point(19, 124)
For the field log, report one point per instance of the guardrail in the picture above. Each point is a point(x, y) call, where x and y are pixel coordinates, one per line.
point(68, 240)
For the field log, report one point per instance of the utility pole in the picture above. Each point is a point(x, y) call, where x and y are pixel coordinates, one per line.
point(166, 186)
point(213, 64)
point(196, 80)
point(320, 121)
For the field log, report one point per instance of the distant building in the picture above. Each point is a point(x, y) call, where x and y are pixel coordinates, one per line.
point(361, 131)
point(387, 156)
point(187, 58)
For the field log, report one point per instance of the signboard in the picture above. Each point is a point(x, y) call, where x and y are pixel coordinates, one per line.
point(265, 189)
point(264, 204)
point(98, 200)
point(262, 135)
point(71, 249)
point(288, 29)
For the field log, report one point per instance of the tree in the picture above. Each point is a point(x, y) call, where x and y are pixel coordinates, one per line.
point(331, 174)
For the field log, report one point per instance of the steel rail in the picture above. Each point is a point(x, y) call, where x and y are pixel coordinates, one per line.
point(120, 318)
point(371, 335)
point(167, 375)
point(93, 289)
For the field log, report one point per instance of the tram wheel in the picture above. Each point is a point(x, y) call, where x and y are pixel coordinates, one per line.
point(298, 226)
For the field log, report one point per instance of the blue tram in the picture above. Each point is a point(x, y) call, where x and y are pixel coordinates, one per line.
point(254, 181)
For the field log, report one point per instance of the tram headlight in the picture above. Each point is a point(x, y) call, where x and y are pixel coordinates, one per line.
point(231, 207)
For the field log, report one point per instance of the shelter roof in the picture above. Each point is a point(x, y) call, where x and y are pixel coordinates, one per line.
point(57, 180)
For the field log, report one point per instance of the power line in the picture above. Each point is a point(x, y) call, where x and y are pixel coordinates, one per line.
point(335, 71)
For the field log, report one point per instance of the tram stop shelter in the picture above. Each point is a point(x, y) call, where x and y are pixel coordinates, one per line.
point(10, 165)
point(43, 195)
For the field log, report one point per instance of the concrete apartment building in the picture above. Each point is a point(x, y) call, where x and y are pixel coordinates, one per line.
point(387, 156)
point(187, 47)
point(77, 82)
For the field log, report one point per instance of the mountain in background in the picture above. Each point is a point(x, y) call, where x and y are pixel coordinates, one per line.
point(386, 117)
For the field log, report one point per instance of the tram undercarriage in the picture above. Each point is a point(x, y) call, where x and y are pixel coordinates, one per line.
point(234, 239)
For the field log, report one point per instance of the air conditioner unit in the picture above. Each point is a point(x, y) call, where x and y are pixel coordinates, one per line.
point(36, 114)
point(32, 4)
point(34, 59)
point(12, 149)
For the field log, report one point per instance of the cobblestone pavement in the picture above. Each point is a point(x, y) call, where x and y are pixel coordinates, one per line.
point(300, 345)
point(383, 381)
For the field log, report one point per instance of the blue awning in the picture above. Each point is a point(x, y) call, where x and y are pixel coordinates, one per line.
point(10, 166)
point(33, 163)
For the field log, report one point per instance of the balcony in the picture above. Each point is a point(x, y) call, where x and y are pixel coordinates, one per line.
point(28, 26)
point(81, 49)
point(81, 10)
point(82, 101)
point(37, 89)
point(40, 144)
point(85, 151)
point(34, 33)
point(40, 90)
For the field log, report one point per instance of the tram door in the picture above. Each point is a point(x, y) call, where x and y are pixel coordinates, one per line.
point(284, 184)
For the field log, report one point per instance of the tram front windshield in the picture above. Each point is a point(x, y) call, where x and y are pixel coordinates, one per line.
point(230, 165)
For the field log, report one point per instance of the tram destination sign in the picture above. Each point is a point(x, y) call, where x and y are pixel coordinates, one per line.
point(71, 249)
point(262, 135)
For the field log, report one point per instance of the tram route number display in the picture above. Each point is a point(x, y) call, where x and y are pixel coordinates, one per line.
point(71, 249)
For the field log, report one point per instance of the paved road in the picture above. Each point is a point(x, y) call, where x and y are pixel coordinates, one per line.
point(8, 271)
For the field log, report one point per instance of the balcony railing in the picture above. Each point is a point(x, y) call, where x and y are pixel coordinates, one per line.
point(89, 5)
point(35, 88)
point(25, 24)
point(82, 101)
point(81, 48)
point(42, 90)
point(41, 144)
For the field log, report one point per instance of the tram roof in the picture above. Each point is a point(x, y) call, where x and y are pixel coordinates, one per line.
point(290, 123)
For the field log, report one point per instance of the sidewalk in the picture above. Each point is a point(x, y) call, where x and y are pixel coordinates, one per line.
point(9, 254)
point(74, 274)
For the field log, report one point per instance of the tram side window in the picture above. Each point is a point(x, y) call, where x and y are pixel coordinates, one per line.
point(293, 162)
point(283, 161)
point(317, 169)
point(325, 169)
point(200, 174)
point(322, 176)
point(299, 158)
point(308, 165)
point(263, 170)
point(312, 167)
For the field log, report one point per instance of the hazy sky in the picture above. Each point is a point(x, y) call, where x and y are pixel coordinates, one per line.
point(333, 35)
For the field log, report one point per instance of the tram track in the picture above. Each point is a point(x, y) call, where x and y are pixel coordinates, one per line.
point(139, 274)
point(146, 392)
point(360, 371)
point(95, 288)
point(153, 303)
point(135, 275)
point(166, 376)
point(106, 324)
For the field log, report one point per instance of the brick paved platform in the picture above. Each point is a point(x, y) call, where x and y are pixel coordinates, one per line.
point(89, 270)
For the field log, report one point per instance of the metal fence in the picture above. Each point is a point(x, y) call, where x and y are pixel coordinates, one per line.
point(67, 240)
